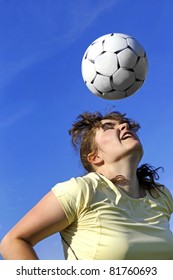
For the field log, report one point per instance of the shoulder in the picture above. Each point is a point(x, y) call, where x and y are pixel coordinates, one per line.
point(78, 188)
point(76, 194)
point(167, 197)
point(88, 180)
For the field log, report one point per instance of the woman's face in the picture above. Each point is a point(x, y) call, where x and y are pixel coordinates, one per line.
point(115, 140)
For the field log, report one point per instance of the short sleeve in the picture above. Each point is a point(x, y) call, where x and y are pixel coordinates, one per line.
point(72, 195)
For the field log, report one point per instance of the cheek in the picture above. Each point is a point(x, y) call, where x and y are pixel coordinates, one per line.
point(102, 141)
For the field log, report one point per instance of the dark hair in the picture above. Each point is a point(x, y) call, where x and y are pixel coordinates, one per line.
point(83, 135)
point(147, 176)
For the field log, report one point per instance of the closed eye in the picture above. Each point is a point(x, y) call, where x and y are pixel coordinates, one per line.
point(106, 126)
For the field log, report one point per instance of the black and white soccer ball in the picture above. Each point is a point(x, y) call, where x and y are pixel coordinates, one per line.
point(114, 66)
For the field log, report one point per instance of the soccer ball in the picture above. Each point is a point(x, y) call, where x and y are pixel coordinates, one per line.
point(114, 66)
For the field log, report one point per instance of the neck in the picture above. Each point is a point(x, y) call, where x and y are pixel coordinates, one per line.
point(123, 174)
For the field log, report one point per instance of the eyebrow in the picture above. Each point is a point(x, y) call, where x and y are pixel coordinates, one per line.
point(110, 122)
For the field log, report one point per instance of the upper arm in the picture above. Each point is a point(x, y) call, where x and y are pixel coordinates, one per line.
point(43, 220)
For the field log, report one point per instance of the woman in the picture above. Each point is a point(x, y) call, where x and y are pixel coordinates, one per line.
point(116, 211)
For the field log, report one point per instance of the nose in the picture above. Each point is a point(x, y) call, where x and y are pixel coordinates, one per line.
point(123, 126)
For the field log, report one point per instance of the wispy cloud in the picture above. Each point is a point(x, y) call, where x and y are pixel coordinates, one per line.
point(42, 29)
point(84, 15)
point(16, 115)
point(9, 68)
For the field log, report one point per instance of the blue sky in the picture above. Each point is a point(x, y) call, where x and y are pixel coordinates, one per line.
point(42, 43)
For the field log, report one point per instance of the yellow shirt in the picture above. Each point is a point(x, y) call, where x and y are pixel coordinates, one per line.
point(106, 224)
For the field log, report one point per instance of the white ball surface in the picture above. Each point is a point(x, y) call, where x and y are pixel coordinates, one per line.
point(114, 66)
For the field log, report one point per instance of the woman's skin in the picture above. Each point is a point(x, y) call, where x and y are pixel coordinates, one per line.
point(119, 151)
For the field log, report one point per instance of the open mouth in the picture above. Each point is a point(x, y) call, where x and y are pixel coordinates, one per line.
point(126, 136)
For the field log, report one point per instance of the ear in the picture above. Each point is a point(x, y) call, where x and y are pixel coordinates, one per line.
point(94, 159)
